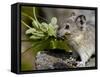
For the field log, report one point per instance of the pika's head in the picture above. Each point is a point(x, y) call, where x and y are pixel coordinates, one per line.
point(72, 26)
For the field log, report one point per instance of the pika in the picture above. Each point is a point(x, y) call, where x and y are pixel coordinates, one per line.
point(80, 36)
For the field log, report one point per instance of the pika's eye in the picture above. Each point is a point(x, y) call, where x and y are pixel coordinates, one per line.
point(67, 26)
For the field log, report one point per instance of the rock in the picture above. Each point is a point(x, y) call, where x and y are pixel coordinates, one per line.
point(91, 63)
point(57, 59)
point(54, 59)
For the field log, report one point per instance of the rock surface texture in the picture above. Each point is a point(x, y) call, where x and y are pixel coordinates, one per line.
point(58, 60)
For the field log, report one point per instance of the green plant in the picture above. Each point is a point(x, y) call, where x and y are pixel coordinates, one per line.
point(43, 35)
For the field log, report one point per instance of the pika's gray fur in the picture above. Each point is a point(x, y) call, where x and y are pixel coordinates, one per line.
point(81, 33)
point(80, 36)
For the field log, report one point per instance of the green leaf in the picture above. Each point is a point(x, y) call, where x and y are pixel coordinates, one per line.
point(40, 45)
point(38, 34)
point(34, 37)
point(44, 26)
point(51, 30)
point(62, 44)
point(30, 31)
point(54, 21)
point(35, 24)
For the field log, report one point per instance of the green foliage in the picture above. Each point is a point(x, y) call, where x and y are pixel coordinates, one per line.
point(43, 35)
point(41, 30)
point(40, 33)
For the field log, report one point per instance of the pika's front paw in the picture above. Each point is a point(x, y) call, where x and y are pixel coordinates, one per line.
point(81, 64)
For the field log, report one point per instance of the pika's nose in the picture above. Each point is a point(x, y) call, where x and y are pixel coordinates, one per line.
point(58, 35)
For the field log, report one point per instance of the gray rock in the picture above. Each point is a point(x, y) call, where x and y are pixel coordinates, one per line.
point(54, 60)
point(57, 60)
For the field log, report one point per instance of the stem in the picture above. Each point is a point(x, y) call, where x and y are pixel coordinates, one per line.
point(27, 49)
point(32, 17)
point(53, 44)
point(42, 18)
point(27, 15)
point(34, 13)
point(38, 23)
point(25, 24)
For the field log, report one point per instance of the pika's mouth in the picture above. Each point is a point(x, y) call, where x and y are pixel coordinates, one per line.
point(67, 33)
point(61, 38)
point(64, 36)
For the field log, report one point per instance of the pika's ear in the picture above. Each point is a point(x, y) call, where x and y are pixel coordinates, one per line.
point(80, 21)
point(72, 16)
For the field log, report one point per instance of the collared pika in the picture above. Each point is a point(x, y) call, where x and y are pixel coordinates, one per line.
point(80, 36)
